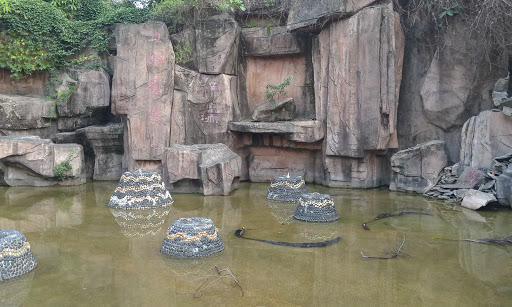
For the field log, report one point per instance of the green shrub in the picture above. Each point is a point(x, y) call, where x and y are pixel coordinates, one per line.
point(64, 170)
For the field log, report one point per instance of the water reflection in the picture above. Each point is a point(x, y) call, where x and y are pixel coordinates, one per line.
point(13, 292)
point(39, 209)
point(88, 254)
point(140, 223)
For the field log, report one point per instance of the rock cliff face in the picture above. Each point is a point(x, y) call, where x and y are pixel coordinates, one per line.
point(142, 91)
point(442, 88)
point(338, 124)
point(358, 72)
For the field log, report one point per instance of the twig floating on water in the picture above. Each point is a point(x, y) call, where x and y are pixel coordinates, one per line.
point(498, 241)
point(395, 254)
point(199, 291)
point(390, 214)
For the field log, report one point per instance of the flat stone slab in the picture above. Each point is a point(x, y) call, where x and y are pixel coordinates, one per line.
point(306, 131)
point(475, 199)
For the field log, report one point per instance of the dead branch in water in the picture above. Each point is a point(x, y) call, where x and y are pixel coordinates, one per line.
point(498, 241)
point(202, 287)
point(396, 253)
point(391, 214)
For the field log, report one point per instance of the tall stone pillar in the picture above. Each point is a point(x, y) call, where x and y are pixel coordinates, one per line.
point(142, 92)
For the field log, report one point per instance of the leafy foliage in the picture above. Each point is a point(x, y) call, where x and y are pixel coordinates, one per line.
point(64, 170)
point(450, 10)
point(183, 53)
point(39, 35)
point(277, 90)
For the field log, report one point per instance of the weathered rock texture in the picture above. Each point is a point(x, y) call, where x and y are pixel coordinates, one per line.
point(475, 199)
point(418, 168)
point(277, 110)
point(202, 108)
point(29, 161)
point(142, 91)
point(271, 41)
point(484, 137)
point(35, 84)
point(88, 104)
point(443, 87)
point(211, 169)
point(261, 71)
point(106, 143)
point(217, 41)
point(357, 63)
point(310, 15)
point(25, 112)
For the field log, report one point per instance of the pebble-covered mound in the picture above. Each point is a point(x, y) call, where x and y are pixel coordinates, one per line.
point(16, 257)
point(140, 190)
point(316, 207)
point(286, 188)
point(142, 222)
point(191, 238)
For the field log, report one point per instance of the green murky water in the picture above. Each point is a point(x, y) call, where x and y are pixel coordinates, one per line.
point(88, 255)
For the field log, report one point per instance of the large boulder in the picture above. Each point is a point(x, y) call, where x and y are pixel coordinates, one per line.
point(217, 40)
point(203, 106)
point(210, 169)
point(311, 15)
point(276, 110)
point(418, 168)
point(25, 112)
point(484, 137)
point(92, 92)
point(142, 91)
point(475, 199)
point(31, 161)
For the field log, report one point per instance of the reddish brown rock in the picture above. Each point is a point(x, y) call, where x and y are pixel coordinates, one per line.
point(142, 91)
point(274, 70)
point(210, 169)
point(361, 84)
point(203, 106)
point(357, 63)
point(30, 161)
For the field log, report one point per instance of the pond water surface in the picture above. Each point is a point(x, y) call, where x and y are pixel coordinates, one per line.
point(89, 255)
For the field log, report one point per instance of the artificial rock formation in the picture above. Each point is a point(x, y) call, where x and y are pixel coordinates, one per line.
point(142, 91)
point(443, 87)
point(106, 144)
point(91, 97)
point(418, 168)
point(357, 65)
point(271, 41)
point(202, 108)
point(30, 161)
point(484, 137)
point(276, 110)
point(210, 169)
point(217, 41)
point(310, 15)
point(25, 112)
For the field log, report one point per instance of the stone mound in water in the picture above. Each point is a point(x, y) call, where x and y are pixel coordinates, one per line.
point(316, 207)
point(192, 238)
point(16, 258)
point(140, 190)
point(286, 188)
